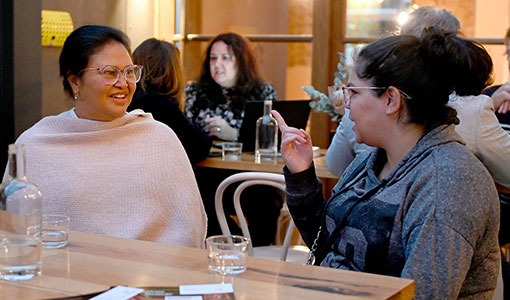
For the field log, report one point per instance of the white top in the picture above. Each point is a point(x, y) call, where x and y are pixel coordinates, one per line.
point(127, 178)
point(478, 127)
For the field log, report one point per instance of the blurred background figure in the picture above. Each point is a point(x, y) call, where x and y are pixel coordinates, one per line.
point(113, 173)
point(478, 127)
point(501, 93)
point(159, 92)
point(216, 102)
point(343, 147)
point(228, 79)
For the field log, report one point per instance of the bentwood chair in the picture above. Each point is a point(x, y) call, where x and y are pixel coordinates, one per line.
point(283, 252)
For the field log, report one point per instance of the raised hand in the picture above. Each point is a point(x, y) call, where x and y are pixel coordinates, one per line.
point(297, 152)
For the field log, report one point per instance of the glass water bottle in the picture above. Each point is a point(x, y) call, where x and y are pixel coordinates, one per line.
point(20, 221)
point(266, 135)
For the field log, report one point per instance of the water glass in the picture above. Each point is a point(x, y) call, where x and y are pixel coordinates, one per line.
point(55, 231)
point(20, 256)
point(232, 150)
point(227, 254)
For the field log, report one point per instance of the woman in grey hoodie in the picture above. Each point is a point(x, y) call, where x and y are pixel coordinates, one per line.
point(418, 205)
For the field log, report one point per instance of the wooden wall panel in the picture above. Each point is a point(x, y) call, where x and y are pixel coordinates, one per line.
point(328, 30)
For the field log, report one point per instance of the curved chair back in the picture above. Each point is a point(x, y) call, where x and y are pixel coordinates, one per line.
point(248, 179)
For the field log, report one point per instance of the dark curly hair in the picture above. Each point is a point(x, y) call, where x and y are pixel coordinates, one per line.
point(247, 82)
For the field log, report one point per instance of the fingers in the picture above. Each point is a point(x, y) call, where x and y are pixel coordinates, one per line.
point(501, 95)
point(307, 135)
point(504, 108)
point(281, 122)
point(296, 137)
point(213, 120)
point(213, 123)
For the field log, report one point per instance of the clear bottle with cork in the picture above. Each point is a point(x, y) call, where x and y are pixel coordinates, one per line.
point(266, 135)
point(20, 229)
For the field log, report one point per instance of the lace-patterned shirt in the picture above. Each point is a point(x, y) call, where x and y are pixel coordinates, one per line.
point(198, 107)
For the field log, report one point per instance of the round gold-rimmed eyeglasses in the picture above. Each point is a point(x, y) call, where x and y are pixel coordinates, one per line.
point(111, 74)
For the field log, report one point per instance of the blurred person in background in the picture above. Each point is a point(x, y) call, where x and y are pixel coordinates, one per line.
point(478, 127)
point(228, 79)
point(216, 103)
point(159, 92)
point(501, 93)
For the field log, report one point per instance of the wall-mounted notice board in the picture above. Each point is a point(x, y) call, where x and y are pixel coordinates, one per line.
point(55, 27)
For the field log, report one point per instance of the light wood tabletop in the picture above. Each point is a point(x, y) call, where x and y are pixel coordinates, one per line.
point(93, 263)
point(247, 163)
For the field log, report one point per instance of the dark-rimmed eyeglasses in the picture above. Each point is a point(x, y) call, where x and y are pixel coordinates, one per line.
point(349, 90)
point(111, 74)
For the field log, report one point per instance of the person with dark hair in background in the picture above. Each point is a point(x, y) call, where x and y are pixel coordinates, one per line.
point(113, 173)
point(216, 103)
point(228, 79)
point(159, 92)
point(418, 205)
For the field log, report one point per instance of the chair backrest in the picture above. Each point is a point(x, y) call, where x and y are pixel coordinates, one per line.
point(248, 179)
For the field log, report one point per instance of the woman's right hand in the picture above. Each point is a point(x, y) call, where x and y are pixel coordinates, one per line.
point(218, 127)
point(297, 152)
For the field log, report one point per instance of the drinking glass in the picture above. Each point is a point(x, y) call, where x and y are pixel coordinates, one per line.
point(227, 254)
point(55, 231)
point(232, 150)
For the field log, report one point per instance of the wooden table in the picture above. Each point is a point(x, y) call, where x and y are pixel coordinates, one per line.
point(247, 163)
point(93, 263)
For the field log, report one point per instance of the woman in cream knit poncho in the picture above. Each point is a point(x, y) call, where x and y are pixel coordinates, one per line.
point(113, 173)
point(128, 178)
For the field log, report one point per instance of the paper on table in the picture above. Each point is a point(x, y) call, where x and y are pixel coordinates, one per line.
point(118, 293)
point(201, 289)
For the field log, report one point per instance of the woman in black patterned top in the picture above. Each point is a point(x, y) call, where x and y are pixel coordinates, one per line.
point(216, 102)
point(229, 77)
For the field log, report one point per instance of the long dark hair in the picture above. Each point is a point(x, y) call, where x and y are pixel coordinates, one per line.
point(248, 81)
point(428, 69)
point(81, 44)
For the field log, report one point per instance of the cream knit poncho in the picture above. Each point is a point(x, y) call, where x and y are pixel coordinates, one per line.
point(127, 178)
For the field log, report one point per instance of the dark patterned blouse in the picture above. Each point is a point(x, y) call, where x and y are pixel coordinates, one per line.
point(198, 107)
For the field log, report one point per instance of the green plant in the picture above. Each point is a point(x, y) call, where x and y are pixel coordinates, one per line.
point(322, 101)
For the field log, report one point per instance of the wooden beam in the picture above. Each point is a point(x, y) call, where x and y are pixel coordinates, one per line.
point(328, 33)
point(192, 55)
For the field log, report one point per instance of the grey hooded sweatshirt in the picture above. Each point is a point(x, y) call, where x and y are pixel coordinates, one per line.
point(434, 219)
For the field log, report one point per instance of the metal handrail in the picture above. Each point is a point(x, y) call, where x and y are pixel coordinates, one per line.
point(365, 40)
point(266, 38)
point(307, 38)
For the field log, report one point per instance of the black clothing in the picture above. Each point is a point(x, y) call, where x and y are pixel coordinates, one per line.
point(230, 105)
point(165, 109)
